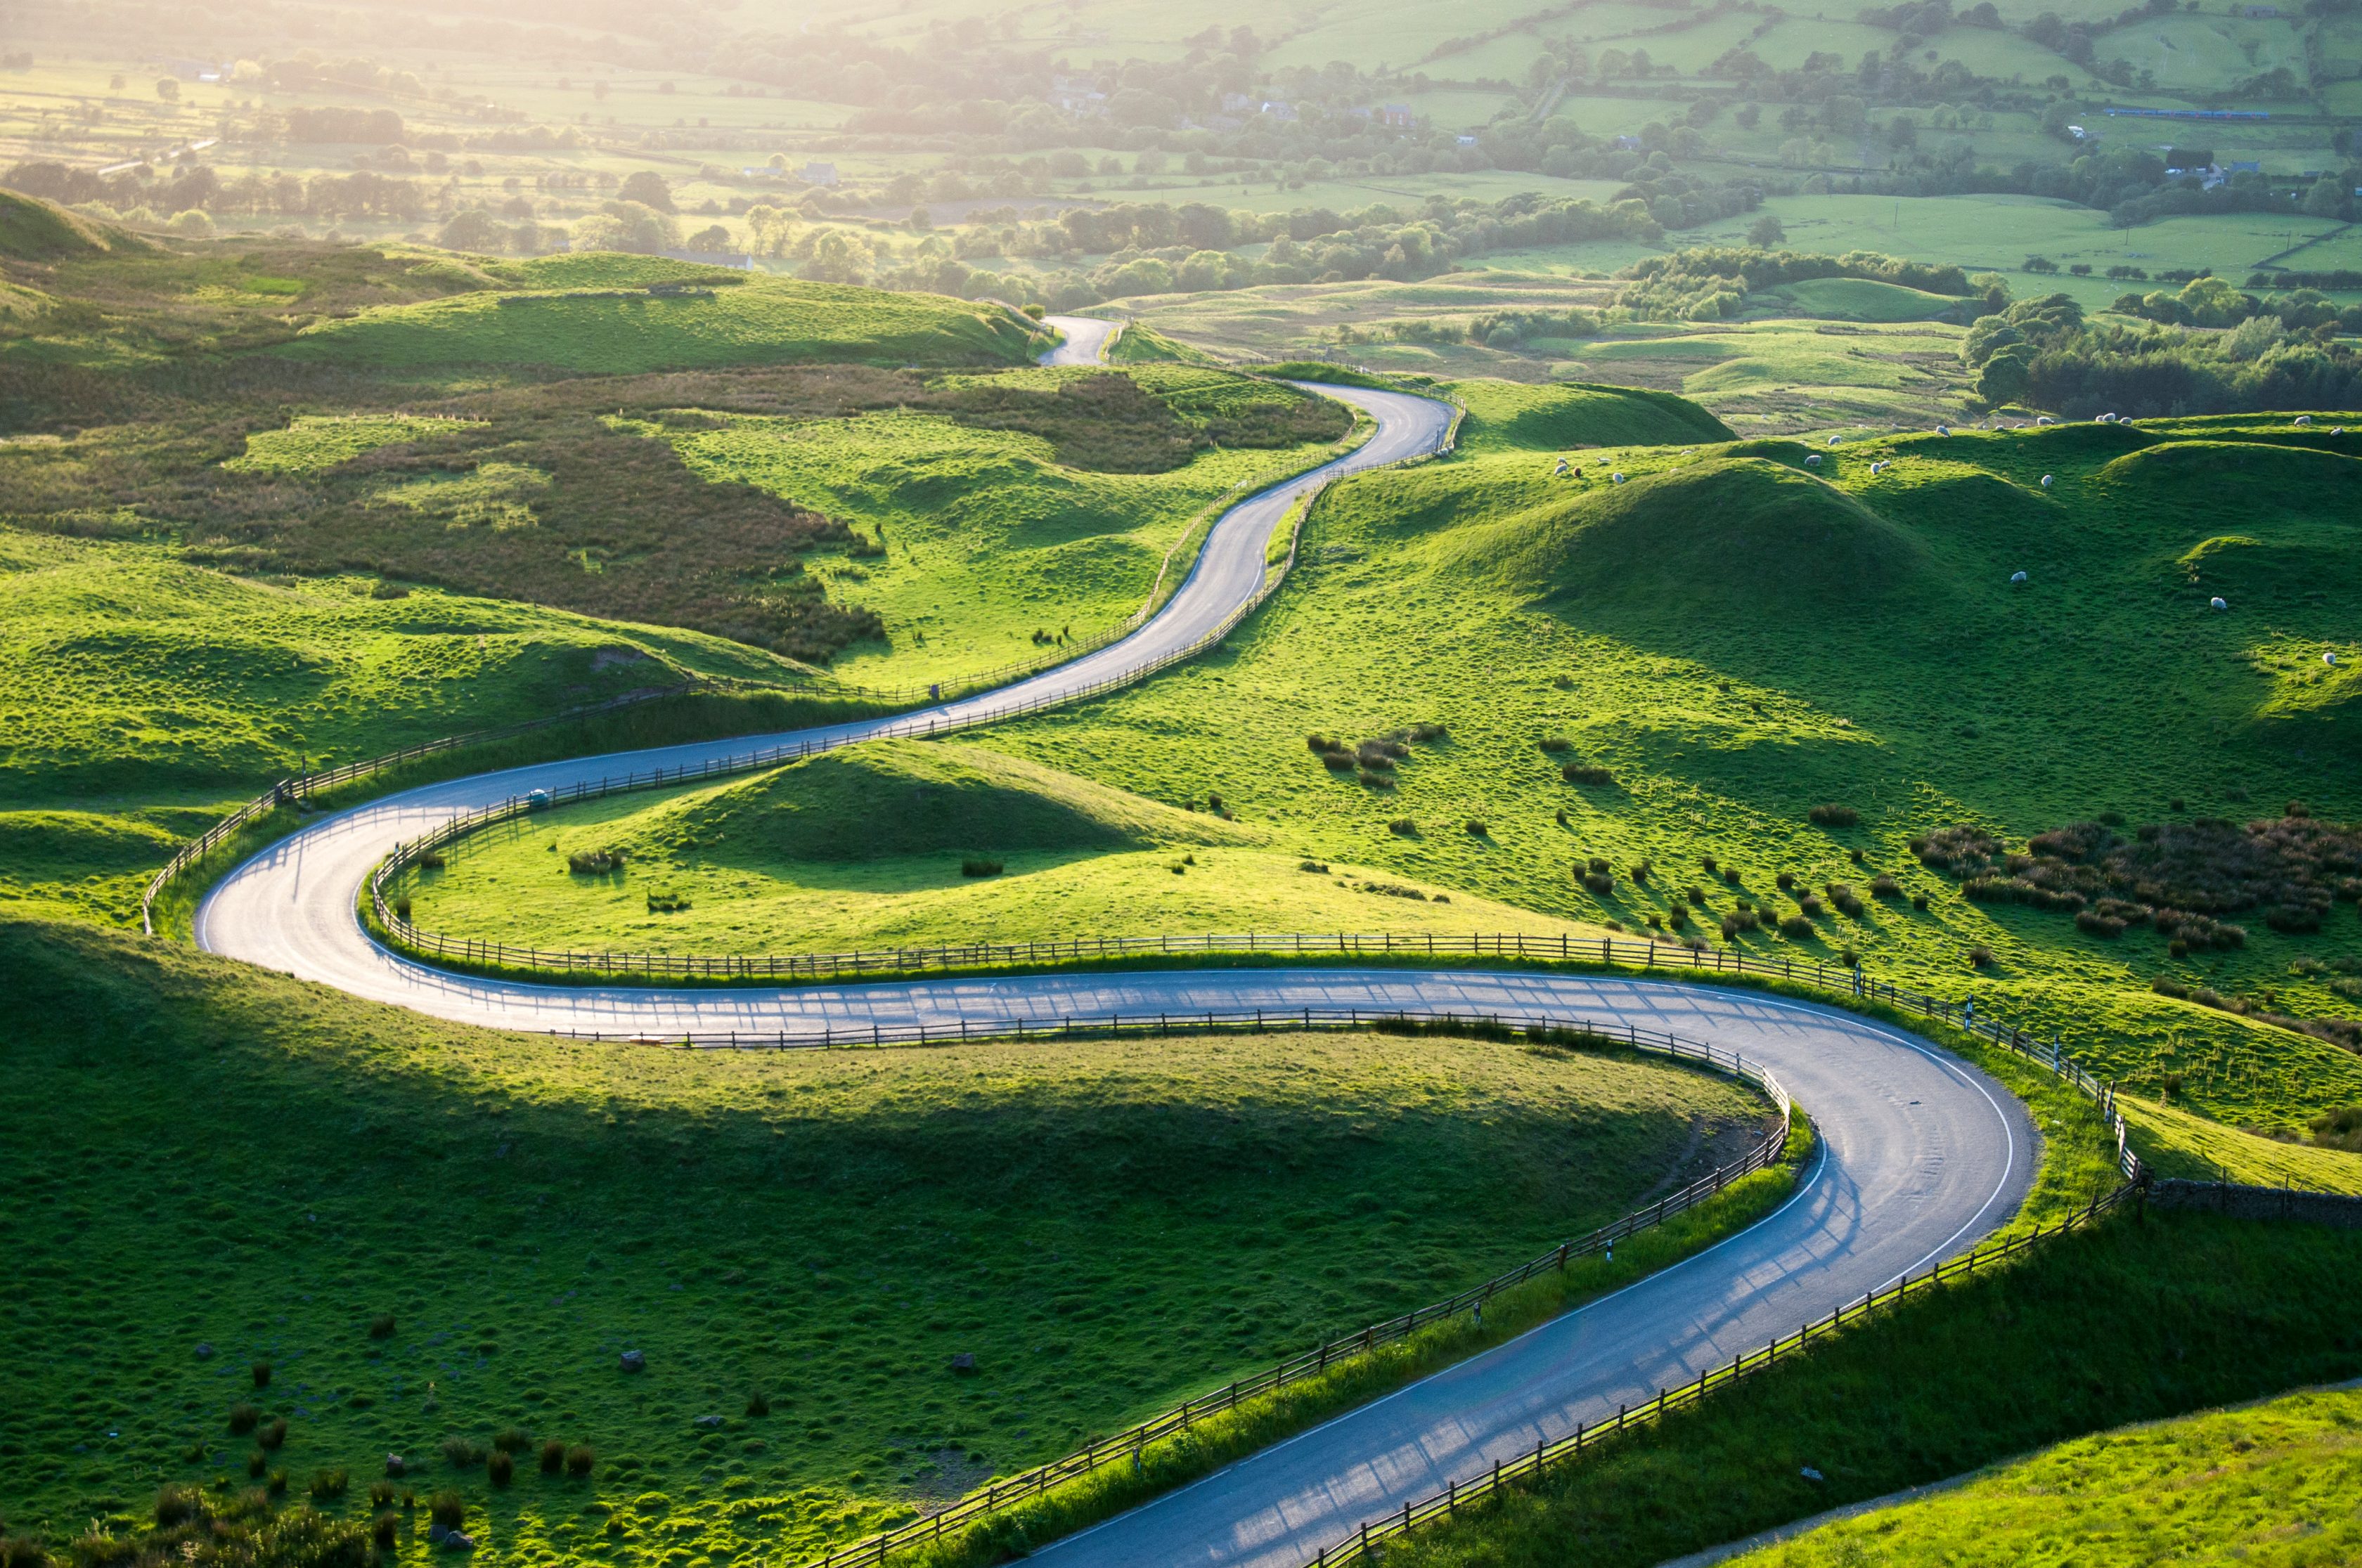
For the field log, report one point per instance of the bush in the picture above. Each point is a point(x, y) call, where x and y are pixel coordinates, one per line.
point(329, 1483)
point(1585, 773)
point(1730, 876)
point(464, 1454)
point(1556, 743)
point(382, 1532)
point(1600, 884)
point(1784, 880)
point(1919, 902)
point(1706, 865)
point(1318, 867)
point(1337, 761)
point(1403, 827)
point(1884, 887)
point(382, 1326)
point(1477, 829)
point(977, 865)
point(1797, 928)
point(380, 1494)
point(579, 1459)
point(448, 1509)
point(1640, 871)
point(262, 1374)
point(276, 1483)
point(758, 1403)
point(553, 1457)
point(500, 1468)
point(1323, 743)
point(1810, 905)
point(1830, 814)
point(511, 1440)
point(243, 1418)
point(2097, 924)
point(1980, 957)
point(1695, 895)
point(273, 1433)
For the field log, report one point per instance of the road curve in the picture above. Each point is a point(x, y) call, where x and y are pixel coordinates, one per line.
point(1086, 339)
point(1922, 1155)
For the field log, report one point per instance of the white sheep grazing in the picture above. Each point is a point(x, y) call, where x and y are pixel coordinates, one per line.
point(2217, 604)
point(2305, 419)
point(1615, 478)
point(1835, 439)
point(2045, 481)
point(2330, 660)
point(1878, 468)
point(2017, 577)
point(1562, 465)
point(2044, 419)
point(1812, 459)
point(1943, 430)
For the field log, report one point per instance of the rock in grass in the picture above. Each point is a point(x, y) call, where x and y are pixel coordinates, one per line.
point(964, 1362)
point(633, 1360)
point(711, 1423)
point(204, 1351)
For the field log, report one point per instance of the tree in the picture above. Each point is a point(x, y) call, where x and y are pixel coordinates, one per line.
point(168, 89)
point(2328, 199)
point(647, 187)
point(1766, 232)
point(472, 231)
point(713, 236)
point(599, 90)
point(2005, 375)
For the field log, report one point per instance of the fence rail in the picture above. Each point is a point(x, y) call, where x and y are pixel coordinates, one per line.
point(1361, 1545)
point(1126, 1445)
point(287, 791)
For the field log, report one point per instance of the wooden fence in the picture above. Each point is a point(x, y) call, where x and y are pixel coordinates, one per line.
point(1127, 1445)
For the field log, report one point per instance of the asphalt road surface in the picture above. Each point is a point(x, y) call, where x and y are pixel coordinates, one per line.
point(1921, 1155)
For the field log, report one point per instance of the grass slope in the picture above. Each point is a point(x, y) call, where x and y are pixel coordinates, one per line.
point(1735, 638)
point(1864, 299)
point(2141, 1320)
point(2271, 1484)
point(866, 847)
point(1508, 416)
point(762, 320)
point(1104, 1226)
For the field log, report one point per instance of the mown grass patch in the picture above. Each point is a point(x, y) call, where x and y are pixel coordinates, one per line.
point(826, 1228)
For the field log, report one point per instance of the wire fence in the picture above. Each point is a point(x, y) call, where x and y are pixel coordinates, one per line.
point(1126, 1446)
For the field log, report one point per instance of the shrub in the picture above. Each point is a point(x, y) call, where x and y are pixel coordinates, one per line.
point(1477, 829)
point(1695, 895)
point(1585, 773)
point(1403, 827)
point(1850, 958)
point(2098, 924)
point(1323, 743)
point(511, 1440)
point(1884, 887)
point(1919, 902)
point(262, 1374)
point(1706, 865)
point(579, 1459)
point(553, 1457)
point(383, 1530)
point(1600, 863)
point(329, 1483)
point(1857, 856)
point(1640, 871)
point(1423, 735)
point(595, 862)
point(272, 1433)
point(257, 1462)
point(382, 1326)
point(1555, 743)
point(463, 1452)
point(1830, 814)
point(977, 865)
point(1980, 957)
point(243, 1418)
point(1678, 916)
point(1598, 883)
point(401, 907)
point(1730, 876)
point(500, 1468)
point(758, 1403)
point(1318, 867)
point(1338, 761)
point(1561, 816)
point(1811, 906)
point(1377, 779)
point(448, 1509)
point(380, 1494)
point(1784, 880)
point(276, 1484)
point(1848, 902)
point(1797, 928)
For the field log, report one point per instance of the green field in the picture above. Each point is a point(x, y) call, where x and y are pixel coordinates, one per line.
point(763, 321)
point(1103, 1226)
point(2021, 1357)
point(866, 848)
point(2267, 1484)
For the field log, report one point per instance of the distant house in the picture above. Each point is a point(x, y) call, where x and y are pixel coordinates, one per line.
point(1468, 138)
point(1279, 109)
point(1397, 116)
point(819, 174)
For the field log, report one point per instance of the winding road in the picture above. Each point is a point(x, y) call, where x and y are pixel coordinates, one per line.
point(1920, 1155)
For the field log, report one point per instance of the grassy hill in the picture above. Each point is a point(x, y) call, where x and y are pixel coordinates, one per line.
point(32, 229)
point(1732, 637)
point(1864, 299)
point(761, 320)
point(2261, 1483)
point(432, 1235)
point(875, 846)
point(2023, 1356)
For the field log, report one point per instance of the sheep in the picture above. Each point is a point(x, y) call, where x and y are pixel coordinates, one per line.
point(2017, 577)
point(2217, 604)
point(2330, 660)
point(1880, 467)
point(1812, 459)
point(2045, 481)
point(1835, 439)
point(1615, 478)
point(2338, 430)
point(2305, 419)
point(1561, 470)
point(2044, 419)
point(1943, 430)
